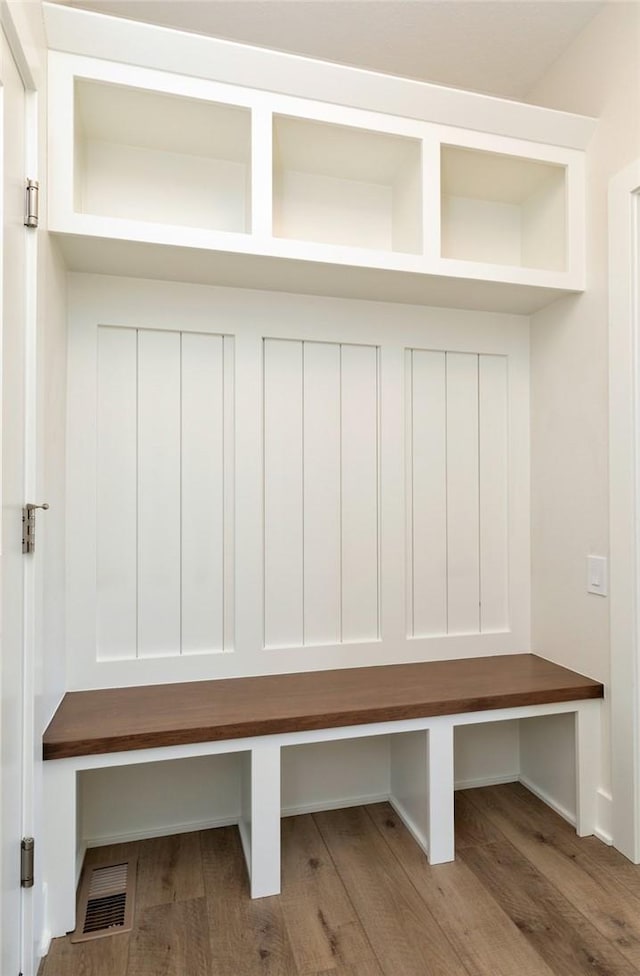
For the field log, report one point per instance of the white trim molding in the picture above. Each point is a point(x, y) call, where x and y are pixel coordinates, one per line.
point(624, 473)
point(111, 38)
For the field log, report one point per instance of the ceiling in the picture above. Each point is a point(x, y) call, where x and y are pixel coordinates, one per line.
point(502, 47)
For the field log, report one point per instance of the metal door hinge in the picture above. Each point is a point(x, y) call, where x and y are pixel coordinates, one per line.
point(31, 203)
point(29, 526)
point(27, 846)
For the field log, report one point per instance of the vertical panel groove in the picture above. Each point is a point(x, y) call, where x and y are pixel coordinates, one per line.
point(224, 496)
point(341, 540)
point(115, 497)
point(302, 500)
point(137, 492)
point(494, 493)
point(427, 445)
point(378, 507)
point(181, 492)
point(228, 491)
point(360, 486)
point(412, 448)
point(229, 488)
point(159, 493)
point(509, 421)
point(446, 494)
point(479, 455)
point(284, 490)
point(202, 491)
point(462, 488)
point(321, 501)
point(264, 492)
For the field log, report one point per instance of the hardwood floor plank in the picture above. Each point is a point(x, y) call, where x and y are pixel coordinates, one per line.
point(569, 944)
point(614, 863)
point(324, 930)
point(340, 971)
point(399, 926)
point(171, 940)
point(560, 856)
point(101, 957)
point(169, 870)
point(247, 938)
point(94, 855)
point(607, 859)
point(471, 827)
point(485, 938)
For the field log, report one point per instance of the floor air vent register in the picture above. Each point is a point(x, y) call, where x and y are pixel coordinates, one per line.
point(106, 899)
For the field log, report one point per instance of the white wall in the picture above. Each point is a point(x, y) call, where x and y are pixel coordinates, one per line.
point(598, 75)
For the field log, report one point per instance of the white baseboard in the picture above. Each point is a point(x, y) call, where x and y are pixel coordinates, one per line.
point(604, 822)
point(604, 810)
point(409, 823)
point(549, 800)
point(189, 826)
point(603, 830)
point(164, 831)
point(474, 784)
point(362, 800)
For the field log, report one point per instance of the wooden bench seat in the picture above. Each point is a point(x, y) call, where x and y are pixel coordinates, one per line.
point(418, 705)
point(119, 719)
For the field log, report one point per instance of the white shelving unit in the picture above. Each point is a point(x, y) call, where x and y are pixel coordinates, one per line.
point(305, 196)
point(151, 156)
point(500, 209)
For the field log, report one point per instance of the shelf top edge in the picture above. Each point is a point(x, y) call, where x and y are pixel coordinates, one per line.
point(75, 31)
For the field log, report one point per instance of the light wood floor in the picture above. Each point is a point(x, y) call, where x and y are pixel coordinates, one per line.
point(525, 897)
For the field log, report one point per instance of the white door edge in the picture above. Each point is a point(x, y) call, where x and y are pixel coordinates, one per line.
point(624, 474)
point(18, 44)
point(32, 602)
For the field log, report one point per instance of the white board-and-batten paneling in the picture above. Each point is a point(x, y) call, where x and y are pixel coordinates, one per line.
point(458, 492)
point(320, 492)
point(241, 465)
point(160, 460)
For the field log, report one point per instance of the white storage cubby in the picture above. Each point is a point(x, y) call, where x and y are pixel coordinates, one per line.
point(503, 209)
point(160, 175)
point(333, 184)
point(152, 156)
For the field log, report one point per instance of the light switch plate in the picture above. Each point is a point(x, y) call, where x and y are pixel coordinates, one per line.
point(597, 575)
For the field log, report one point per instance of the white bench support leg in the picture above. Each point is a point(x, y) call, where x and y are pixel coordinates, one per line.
point(441, 827)
point(587, 726)
point(60, 809)
point(265, 820)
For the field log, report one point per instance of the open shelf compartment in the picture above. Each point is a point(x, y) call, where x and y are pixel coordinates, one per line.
point(161, 158)
point(500, 209)
point(333, 184)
